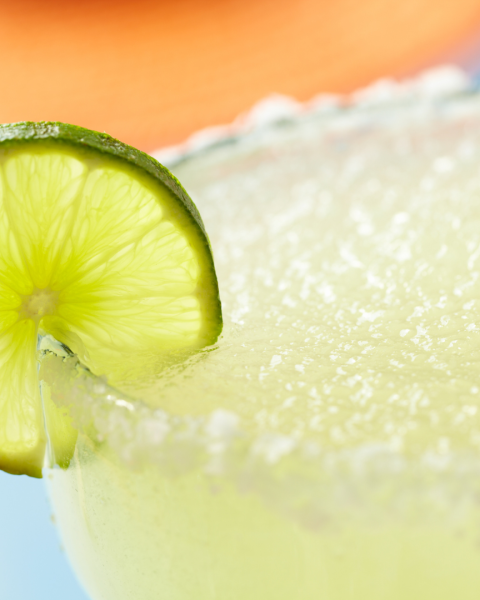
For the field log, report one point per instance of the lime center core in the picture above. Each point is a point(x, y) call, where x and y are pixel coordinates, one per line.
point(39, 303)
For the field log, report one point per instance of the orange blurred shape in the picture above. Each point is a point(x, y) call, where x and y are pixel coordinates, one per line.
point(152, 71)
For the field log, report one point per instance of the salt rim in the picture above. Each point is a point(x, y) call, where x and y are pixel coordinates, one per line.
point(320, 489)
point(315, 486)
point(440, 82)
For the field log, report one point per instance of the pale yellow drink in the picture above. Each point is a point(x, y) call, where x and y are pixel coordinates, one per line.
point(143, 536)
point(327, 447)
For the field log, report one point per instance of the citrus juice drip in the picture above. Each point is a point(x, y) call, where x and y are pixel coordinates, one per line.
point(328, 445)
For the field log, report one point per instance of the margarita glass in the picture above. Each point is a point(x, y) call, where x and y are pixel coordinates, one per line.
point(328, 446)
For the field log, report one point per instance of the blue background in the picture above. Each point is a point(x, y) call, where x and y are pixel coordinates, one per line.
point(33, 565)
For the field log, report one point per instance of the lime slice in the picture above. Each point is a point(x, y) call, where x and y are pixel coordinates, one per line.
point(102, 248)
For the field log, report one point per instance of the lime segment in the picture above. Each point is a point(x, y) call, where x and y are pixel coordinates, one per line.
point(22, 436)
point(102, 248)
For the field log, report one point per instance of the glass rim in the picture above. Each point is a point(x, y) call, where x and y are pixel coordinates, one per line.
point(442, 84)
